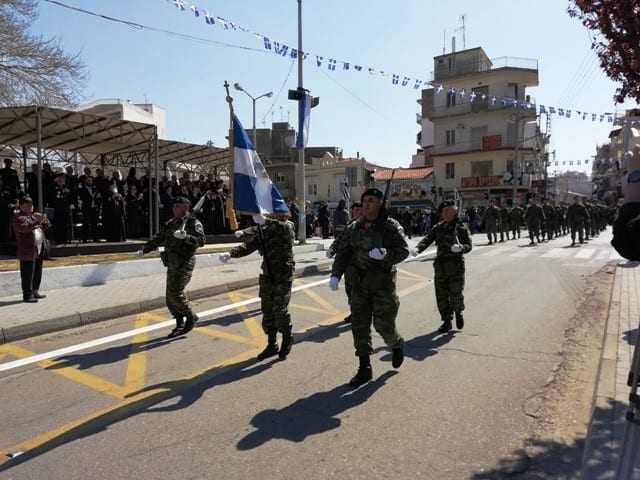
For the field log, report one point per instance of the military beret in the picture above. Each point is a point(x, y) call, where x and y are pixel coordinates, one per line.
point(445, 204)
point(372, 192)
point(181, 201)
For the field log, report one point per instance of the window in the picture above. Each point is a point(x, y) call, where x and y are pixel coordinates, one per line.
point(351, 175)
point(451, 170)
point(510, 166)
point(451, 99)
point(312, 189)
point(482, 169)
point(280, 178)
point(451, 137)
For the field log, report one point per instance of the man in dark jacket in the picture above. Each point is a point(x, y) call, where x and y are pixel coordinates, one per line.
point(29, 228)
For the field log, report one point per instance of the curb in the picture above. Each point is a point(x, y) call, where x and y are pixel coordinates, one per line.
point(81, 319)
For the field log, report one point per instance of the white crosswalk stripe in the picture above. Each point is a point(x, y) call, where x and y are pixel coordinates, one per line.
point(585, 253)
point(558, 253)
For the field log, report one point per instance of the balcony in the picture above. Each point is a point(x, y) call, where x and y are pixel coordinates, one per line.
point(478, 106)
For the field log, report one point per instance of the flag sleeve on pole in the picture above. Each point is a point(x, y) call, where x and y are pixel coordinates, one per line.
point(253, 191)
point(304, 114)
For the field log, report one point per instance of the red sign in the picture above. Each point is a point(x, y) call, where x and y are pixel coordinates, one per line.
point(491, 142)
point(476, 182)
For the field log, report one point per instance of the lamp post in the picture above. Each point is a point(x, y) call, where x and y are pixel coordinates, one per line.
point(238, 87)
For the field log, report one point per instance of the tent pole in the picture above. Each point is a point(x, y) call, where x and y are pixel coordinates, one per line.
point(39, 136)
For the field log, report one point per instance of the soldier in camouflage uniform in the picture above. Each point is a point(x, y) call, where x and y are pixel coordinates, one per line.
point(516, 218)
point(356, 212)
point(453, 239)
point(505, 223)
point(534, 216)
point(491, 220)
point(181, 236)
point(587, 222)
point(576, 218)
point(548, 225)
point(274, 240)
point(373, 246)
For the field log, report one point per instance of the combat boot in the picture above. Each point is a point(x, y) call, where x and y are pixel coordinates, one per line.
point(446, 326)
point(287, 342)
point(347, 319)
point(179, 328)
point(191, 322)
point(459, 321)
point(397, 356)
point(272, 346)
point(364, 373)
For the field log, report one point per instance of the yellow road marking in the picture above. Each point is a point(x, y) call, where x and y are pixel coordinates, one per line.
point(137, 363)
point(130, 401)
point(320, 301)
point(95, 383)
point(196, 379)
point(250, 323)
point(406, 273)
point(216, 333)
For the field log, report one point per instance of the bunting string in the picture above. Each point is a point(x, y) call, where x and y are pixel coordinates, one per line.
point(333, 64)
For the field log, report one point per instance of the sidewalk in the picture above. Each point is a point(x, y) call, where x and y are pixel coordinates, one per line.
point(80, 305)
point(608, 435)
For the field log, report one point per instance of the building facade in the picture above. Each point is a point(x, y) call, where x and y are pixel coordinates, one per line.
point(483, 147)
point(410, 187)
point(329, 177)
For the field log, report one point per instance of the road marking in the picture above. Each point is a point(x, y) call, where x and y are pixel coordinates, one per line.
point(329, 308)
point(132, 333)
point(585, 253)
point(131, 399)
point(137, 364)
point(251, 323)
point(558, 253)
point(496, 251)
point(523, 252)
point(411, 275)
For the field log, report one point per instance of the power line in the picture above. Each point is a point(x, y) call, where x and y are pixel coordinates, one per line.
point(140, 26)
point(353, 95)
point(286, 79)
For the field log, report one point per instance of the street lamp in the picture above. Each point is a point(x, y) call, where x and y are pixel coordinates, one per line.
point(238, 87)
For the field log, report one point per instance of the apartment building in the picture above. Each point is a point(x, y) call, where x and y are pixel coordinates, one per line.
point(483, 146)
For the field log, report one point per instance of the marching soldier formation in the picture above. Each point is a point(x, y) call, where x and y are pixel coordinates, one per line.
point(366, 254)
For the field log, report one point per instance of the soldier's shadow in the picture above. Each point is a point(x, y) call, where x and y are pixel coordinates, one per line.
point(425, 346)
point(317, 413)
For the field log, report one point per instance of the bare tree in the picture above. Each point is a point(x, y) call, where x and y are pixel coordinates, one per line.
point(34, 69)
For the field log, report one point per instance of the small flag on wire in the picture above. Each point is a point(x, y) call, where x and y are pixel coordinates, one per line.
point(195, 11)
point(253, 191)
point(179, 4)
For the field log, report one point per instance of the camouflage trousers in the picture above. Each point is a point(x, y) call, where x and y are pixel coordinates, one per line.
point(577, 228)
point(178, 277)
point(348, 283)
point(534, 231)
point(373, 299)
point(449, 283)
point(515, 229)
point(492, 232)
point(275, 295)
point(505, 228)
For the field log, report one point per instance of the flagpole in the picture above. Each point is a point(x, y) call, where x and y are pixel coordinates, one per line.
point(302, 228)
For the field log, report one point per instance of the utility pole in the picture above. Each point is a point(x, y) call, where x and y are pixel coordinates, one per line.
point(516, 152)
point(302, 196)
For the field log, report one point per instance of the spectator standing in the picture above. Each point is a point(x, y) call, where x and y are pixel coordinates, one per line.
point(324, 220)
point(134, 203)
point(9, 177)
point(29, 227)
point(113, 218)
point(61, 201)
point(89, 208)
point(340, 219)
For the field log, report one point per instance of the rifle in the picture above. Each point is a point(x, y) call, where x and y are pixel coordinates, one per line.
point(384, 211)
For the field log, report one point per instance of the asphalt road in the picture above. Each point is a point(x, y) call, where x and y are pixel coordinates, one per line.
point(200, 407)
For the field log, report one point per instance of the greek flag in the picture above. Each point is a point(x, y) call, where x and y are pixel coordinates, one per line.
point(346, 194)
point(304, 114)
point(253, 192)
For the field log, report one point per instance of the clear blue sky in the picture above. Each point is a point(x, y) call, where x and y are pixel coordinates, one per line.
point(402, 36)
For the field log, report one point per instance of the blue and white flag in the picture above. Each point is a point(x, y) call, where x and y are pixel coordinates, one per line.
point(304, 114)
point(253, 191)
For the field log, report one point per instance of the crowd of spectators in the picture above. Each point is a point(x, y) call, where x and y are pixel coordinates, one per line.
point(95, 207)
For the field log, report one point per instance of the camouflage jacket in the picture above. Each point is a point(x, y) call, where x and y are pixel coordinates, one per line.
point(339, 240)
point(577, 213)
point(517, 215)
point(492, 215)
point(534, 214)
point(275, 245)
point(176, 250)
point(505, 215)
point(360, 237)
point(549, 212)
point(445, 235)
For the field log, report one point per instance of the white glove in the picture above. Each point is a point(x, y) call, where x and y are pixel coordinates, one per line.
point(139, 254)
point(414, 252)
point(378, 253)
point(456, 248)
point(330, 253)
point(180, 234)
point(224, 257)
point(239, 233)
point(333, 283)
point(259, 219)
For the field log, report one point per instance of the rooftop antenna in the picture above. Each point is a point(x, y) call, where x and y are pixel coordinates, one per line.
point(444, 41)
point(463, 28)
